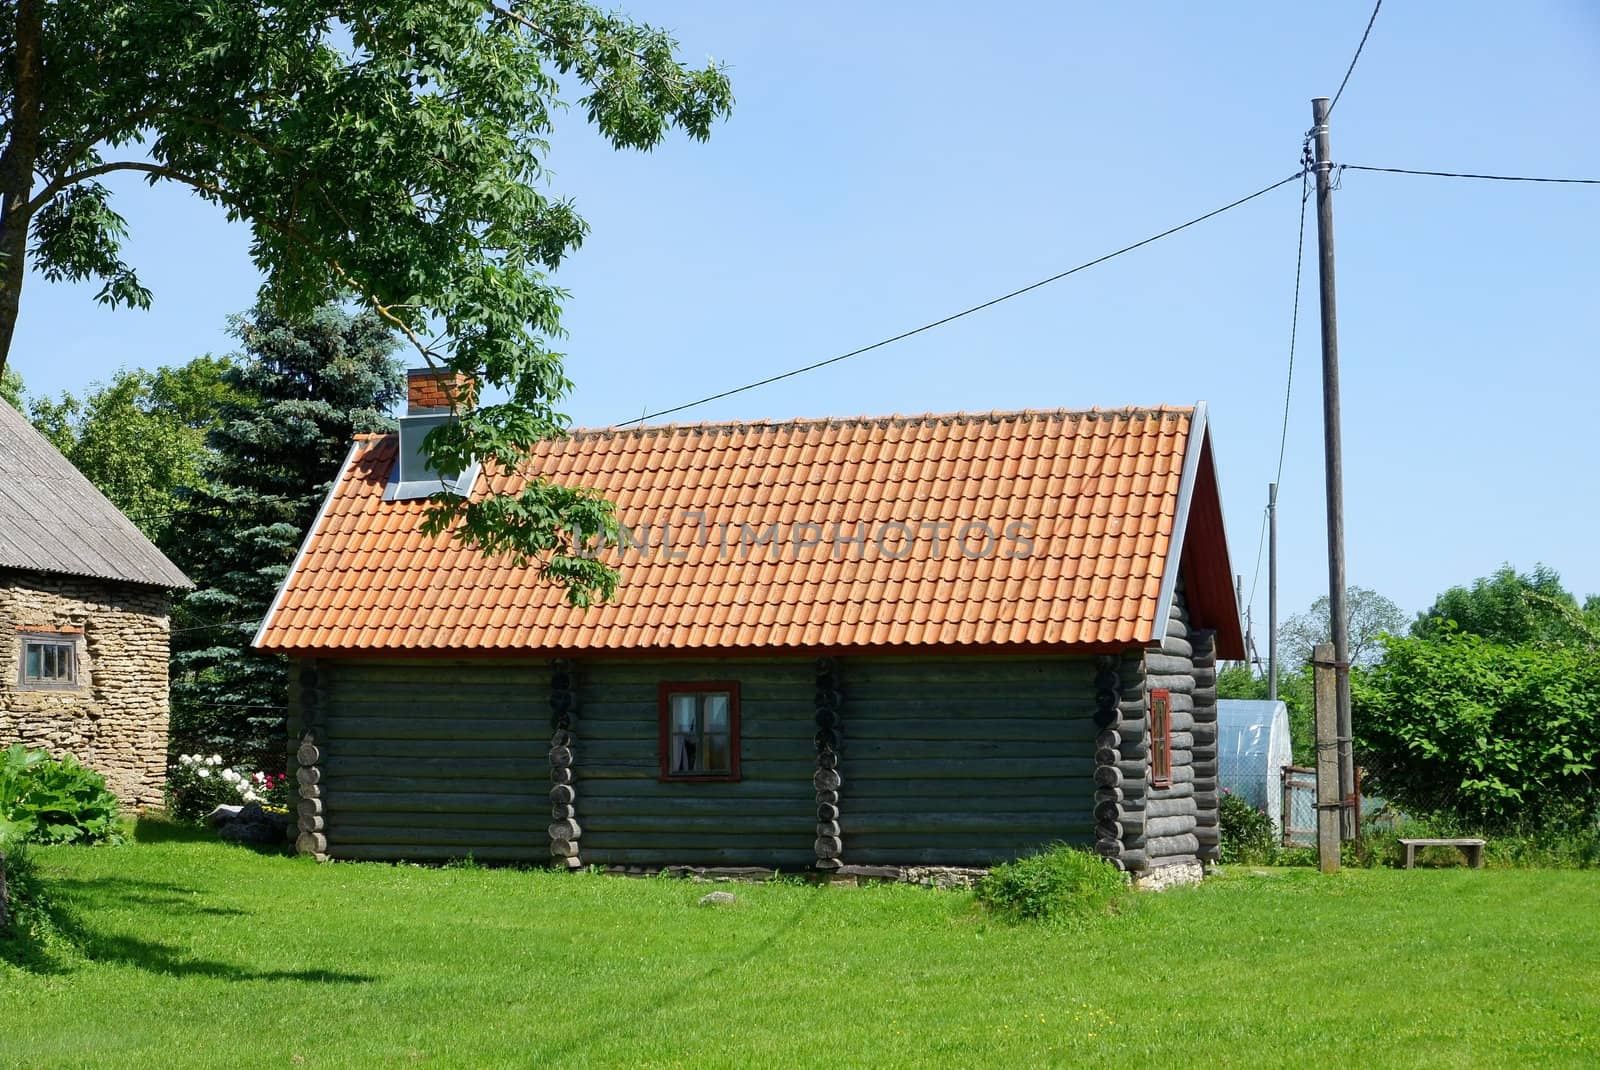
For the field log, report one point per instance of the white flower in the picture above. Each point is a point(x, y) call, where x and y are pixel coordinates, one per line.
point(216, 759)
point(203, 771)
point(251, 796)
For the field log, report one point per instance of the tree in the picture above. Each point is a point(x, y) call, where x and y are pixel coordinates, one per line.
point(1509, 607)
point(1370, 615)
point(392, 153)
point(11, 388)
point(1491, 733)
point(141, 439)
point(298, 395)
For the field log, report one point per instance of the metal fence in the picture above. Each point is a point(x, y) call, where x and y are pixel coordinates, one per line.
point(1299, 787)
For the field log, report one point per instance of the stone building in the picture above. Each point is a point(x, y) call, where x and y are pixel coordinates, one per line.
point(83, 620)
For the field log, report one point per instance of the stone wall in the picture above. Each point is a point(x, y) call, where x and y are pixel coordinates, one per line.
point(115, 719)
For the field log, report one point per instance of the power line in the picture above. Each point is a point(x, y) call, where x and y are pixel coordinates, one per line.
point(1288, 388)
point(1294, 322)
point(964, 312)
point(1351, 69)
point(1467, 174)
point(219, 507)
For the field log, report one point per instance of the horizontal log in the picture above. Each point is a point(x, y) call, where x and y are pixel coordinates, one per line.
point(1160, 828)
point(344, 729)
point(1135, 859)
point(828, 847)
point(421, 852)
point(1168, 846)
point(564, 829)
point(1009, 825)
point(1157, 664)
point(562, 793)
point(308, 774)
point(308, 753)
point(825, 797)
point(1108, 739)
point(561, 776)
point(1103, 795)
point(532, 802)
point(1204, 695)
point(1183, 683)
point(766, 855)
point(826, 780)
point(419, 821)
point(311, 824)
point(1208, 836)
point(999, 767)
point(1107, 776)
point(1181, 740)
point(1204, 735)
point(1205, 818)
point(563, 849)
point(311, 843)
point(828, 830)
point(827, 812)
point(560, 812)
point(309, 807)
point(1169, 807)
point(1108, 847)
point(673, 801)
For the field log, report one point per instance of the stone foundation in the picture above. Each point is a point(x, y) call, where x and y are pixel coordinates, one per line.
point(1172, 875)
point(114, 720)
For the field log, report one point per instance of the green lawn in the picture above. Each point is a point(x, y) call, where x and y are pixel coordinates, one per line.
point(206, 955)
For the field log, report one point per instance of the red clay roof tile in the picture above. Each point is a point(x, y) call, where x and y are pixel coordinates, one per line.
point(942, 503)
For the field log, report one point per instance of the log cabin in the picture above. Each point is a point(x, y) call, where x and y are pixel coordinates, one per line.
point(855, 646)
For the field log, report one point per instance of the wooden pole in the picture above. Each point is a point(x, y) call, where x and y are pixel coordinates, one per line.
point(1328, 796)
point(1272, 591)
point(1338, 616)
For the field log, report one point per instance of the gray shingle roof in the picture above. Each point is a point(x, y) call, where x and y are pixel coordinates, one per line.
point(52, 519)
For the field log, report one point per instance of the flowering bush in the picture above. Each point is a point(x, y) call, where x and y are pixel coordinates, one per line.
point(200, 784)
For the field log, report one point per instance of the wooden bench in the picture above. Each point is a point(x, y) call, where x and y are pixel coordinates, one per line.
point(1471, 847)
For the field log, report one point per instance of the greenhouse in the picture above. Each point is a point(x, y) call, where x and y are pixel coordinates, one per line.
point(1252, 749)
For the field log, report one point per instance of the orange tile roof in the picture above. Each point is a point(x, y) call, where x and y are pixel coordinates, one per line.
point(1068, 520)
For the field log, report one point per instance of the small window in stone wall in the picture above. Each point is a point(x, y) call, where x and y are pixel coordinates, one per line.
point(699, 730)
point(49, 660)
point(1161, 738)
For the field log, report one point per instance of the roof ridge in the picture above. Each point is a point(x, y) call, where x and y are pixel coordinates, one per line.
point(891, 420)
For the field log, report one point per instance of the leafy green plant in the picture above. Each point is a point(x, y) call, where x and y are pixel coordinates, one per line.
point(1495, 736)
point(1060, 885)
point(1248, 836)
point(38, 935)
point(54, 800)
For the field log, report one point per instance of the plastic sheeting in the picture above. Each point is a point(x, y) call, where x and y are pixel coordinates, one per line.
point(1252, 749)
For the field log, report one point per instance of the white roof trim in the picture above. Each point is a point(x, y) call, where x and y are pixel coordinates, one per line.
point(294, 566)
point(1180, 522)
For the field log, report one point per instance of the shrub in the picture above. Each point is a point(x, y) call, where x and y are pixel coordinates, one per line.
point(1248, 836)
point(54, 800)
point(198, 785)
point(1494, 736)
point(36, 936)
point(1059, 885)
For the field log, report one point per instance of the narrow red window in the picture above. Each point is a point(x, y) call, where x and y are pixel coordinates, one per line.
point(1161, 738)
point(699, 730)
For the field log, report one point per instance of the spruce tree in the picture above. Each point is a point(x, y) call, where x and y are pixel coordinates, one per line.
point(301, 390)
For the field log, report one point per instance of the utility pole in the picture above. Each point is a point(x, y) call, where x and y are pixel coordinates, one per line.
point(1338, 619)
point(1272, 591)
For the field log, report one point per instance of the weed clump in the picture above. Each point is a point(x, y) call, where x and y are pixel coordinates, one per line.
point(1060, 885)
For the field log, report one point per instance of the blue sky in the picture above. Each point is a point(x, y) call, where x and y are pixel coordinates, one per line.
point(888, 164)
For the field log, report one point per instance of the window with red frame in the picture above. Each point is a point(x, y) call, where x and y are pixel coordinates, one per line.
point(1161, 738)
point(700, 730)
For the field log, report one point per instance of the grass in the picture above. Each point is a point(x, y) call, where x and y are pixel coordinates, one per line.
point(200, 954)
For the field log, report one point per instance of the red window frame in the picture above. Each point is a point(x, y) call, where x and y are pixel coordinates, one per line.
point(1161, 738)
point(664, 694)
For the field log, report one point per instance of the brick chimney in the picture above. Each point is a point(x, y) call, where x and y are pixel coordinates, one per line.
point(431, 390)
